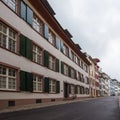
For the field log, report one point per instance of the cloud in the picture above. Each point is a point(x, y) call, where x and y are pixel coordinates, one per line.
point(95, 25)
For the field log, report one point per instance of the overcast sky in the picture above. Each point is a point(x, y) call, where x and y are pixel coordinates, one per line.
point(95, 25)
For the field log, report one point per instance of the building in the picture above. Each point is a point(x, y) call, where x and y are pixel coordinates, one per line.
point(104, 81)
point(97, 83)
point(114, 87)
point(92, 77)
point(39, 62)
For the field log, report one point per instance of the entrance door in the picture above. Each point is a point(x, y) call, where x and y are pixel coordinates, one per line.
point(66, 92)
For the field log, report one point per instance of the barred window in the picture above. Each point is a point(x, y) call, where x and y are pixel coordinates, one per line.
point(7, 37)
point(7, 78)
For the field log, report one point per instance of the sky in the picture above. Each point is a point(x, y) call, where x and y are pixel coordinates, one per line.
point(95, 26)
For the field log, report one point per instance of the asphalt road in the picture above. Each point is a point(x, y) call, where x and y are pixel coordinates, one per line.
point(98, 109)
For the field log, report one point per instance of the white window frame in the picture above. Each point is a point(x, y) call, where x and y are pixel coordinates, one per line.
point(37, 55)
point(12, 4)
point(51, 38)
point(52, 86)
point(51, 62)
point(37, 24)
point(7, 76)
point(37, 83)
point(13, 38)
point(65, 69)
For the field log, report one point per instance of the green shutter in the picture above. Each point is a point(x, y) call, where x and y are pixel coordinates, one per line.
point(69, 71)
point(58, 87)
point(22, 81)
point(70, 89)
point(29, 16)
point(29, 82)
point(23, 45)
point(61, 46)
point(62, 67)
point(75, 74)
point(29, 48)
point(46, 59)
point(76, 90)
point(23, 10)
point(57, 65)
point(57, 43)
point(46, 85)
point(46, 31)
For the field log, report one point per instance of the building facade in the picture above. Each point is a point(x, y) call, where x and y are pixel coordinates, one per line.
point(39, 62)
point(114, 87)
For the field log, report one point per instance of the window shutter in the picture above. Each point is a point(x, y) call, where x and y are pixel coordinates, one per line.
point(76, 90)
point(70, 89)
point(29, 16)
point(61, 46)
point(57, 43)
point(58, 87)
point(46, 59)
point(22, 45)
point(46, 31)
point(22, 81)
point(23, 10)
point(29, 82)
point(46, 85)
point(57, 65)
point(75, 74)
point(29, 47)
point(69, 71)
point(62, 67)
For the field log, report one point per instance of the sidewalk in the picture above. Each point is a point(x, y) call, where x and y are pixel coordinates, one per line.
point(41, 105)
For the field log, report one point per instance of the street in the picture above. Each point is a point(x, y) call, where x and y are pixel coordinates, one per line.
point(106, 108)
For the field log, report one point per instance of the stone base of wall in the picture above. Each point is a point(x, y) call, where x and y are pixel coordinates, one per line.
point(18, 102)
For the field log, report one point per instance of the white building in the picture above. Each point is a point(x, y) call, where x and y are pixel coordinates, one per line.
point(39, 62)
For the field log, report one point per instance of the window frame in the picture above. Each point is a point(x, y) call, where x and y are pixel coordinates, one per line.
point(8, 67)
point(8, 28)
point(52, 86)
point(36, 83)
point(35, 52)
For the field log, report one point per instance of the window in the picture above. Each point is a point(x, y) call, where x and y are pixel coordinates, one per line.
point(72, 89)
point(65, 50)
point(52, 86)
point(72, 73)
point(37, 24)
point(11, 3)
point(52, 62)
point(78, 89)
point(51, 38)
point(37, 83)
point(72, 56)
point(37, 54)
point(65, 69)
point(8, 37)
point(7, 78)
point(86, 68)
point(26, 13)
